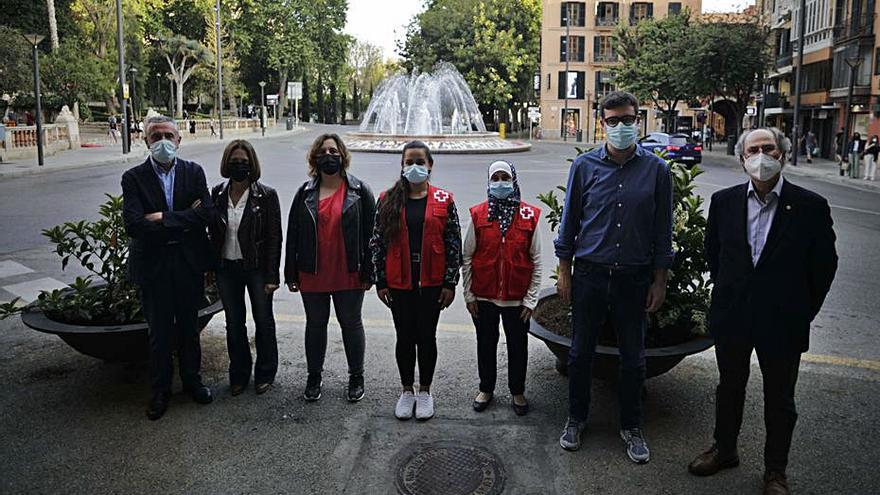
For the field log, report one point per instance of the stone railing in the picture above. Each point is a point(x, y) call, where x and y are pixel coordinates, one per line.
point(21, 141)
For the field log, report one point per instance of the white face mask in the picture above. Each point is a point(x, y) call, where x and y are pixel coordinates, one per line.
point(762, 167)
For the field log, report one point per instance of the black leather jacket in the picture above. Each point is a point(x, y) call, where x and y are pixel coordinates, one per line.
point(358, 212)
point(259, 234)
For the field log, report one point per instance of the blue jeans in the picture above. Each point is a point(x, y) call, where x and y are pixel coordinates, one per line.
point(600, 294)
point(233, 280)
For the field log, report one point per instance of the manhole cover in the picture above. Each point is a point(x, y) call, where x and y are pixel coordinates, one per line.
point(446, 468)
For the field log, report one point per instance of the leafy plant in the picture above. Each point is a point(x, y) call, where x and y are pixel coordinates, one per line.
point(688, 288)
point(101, 247)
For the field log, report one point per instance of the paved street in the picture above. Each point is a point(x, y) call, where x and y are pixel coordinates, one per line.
point(73, 424)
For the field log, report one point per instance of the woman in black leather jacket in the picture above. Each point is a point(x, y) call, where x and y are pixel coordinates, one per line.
point(246, 241)
point(328, 257)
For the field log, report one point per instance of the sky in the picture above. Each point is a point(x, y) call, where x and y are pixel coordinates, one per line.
point(382, 22)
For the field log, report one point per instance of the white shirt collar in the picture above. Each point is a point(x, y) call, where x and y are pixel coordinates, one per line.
point(777, 189)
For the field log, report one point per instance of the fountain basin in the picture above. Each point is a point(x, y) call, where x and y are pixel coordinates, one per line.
point(468, 143)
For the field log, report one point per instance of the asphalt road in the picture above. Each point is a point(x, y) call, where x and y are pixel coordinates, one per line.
point(71, 424)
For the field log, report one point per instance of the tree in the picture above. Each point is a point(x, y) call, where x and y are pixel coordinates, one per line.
point(183, 56)
point(363, 61)
point(657, 62)
point(731, 57)
point(75, 75)
point(493, 43)
point(15, 62)
point(53, 24)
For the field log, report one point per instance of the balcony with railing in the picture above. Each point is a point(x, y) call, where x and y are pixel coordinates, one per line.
point(607, 21)
point(853, 27)
point(783, 59)
point(605, 57)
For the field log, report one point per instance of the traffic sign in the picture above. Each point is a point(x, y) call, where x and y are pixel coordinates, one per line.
point(294, 90)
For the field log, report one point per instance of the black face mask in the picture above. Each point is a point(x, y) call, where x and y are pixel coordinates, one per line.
point(329, 164)
point(239, 171)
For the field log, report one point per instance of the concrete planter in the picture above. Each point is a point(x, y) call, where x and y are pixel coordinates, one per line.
point(659, 360)
point(119, 343)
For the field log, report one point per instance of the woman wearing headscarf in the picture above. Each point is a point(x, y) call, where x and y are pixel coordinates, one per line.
point(501, 274)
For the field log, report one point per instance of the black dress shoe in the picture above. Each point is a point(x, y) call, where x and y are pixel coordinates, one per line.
point(237, 389)
point(482, 406)
point(158, 405)
point(262, 388)
point(520, 410)
point(201, 394)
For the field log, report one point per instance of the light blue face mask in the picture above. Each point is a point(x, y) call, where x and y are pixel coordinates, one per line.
point(415, 174)
point(163, 151)
point(622, 136)
point(501, 189)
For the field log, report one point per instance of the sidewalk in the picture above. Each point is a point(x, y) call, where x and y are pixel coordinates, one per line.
point(821, 169)
point(105, 155)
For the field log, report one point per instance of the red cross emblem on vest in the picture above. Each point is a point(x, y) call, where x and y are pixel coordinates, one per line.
point(441, 196)
point(526, 213)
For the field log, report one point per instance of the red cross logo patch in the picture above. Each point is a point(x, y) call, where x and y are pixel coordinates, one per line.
point(526, 213)
point(441, 196)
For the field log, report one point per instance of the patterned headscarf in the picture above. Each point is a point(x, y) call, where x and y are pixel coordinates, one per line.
point(503, 210)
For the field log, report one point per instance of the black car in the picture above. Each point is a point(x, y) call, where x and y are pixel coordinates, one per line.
point(679, 147)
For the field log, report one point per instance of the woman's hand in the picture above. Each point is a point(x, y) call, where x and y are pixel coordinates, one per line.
point(293, 286)
point(366, 286)
point(446, 298)
point(473, 309)
point(384, 296)
point(270, 288)
point(525, 314)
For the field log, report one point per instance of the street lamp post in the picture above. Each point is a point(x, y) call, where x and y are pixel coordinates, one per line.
point(133, 72)
point(853, 63)
point(263, 107)
point(34, 40)
point(796, 125)
point(567, 42)
point(126, 136)
point(219, 73)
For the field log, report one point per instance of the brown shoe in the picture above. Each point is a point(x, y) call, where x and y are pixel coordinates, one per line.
point(237, 389)
point(262, 388)
point(775, 483)
point(712, 461)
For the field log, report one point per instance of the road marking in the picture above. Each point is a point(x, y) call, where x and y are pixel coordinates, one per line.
point(847, 208)
point(845, 362)
point(9, 268)
point(30, 290)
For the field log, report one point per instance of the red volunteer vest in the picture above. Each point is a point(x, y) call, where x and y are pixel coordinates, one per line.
point(433, 264)
point(502, 267)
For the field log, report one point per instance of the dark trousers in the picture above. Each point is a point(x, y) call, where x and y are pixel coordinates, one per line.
point(516, 333)
point(780, 372)
point(416, 313)
point(348, 304)
point(233, 280)
point(600, 294)
point(171, 304)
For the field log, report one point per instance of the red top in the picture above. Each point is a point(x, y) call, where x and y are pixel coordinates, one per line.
point(332, 274)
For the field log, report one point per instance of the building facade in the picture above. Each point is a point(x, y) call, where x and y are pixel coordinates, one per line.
point(839, 46)
point(569, 93)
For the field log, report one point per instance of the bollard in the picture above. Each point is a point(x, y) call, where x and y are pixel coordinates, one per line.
point(502, 131)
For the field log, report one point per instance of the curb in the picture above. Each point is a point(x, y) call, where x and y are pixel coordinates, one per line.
point(120, 159)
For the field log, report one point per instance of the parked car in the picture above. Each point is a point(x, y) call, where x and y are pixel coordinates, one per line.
point(679, 147)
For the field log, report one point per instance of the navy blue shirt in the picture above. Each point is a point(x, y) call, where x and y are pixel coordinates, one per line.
point(618, 214)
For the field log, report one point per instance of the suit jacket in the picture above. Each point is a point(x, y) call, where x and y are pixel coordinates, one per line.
point(773, 302)
point(259, 233)
point(142, 193)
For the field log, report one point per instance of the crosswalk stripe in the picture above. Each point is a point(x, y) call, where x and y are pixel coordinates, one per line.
point(30, 290)
point(9, 268)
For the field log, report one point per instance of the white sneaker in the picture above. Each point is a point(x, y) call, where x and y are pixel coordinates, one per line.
point(405, 405)
point(424, 406)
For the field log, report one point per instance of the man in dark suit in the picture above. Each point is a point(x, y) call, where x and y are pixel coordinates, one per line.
point(167, 208)
point(770, 248)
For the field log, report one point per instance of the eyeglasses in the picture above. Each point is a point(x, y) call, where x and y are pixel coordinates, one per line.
point(626, 119)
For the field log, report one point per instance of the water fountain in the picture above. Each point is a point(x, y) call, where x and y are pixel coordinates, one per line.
point(437, 108)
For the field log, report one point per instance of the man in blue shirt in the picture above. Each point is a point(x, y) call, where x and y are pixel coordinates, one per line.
point(617, 228)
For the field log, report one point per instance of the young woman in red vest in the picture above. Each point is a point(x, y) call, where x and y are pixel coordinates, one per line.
point(416, 249)
point(501, 273)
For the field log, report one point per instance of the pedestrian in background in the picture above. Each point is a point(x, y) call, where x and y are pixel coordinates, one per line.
point(246, 239)
point(501, 276)
point(416, 247)
point(112, 128)
point(855, 150)
point(617, 227)
point(328, 257)
point(810, 149)
point(167, 208)
point(870, 155)
point(839, 155)
point(771, 264)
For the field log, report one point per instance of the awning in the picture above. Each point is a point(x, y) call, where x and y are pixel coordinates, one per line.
point(778, 111)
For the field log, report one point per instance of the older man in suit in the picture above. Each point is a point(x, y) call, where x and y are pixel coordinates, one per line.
point(167, 208)
point(771, 254)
